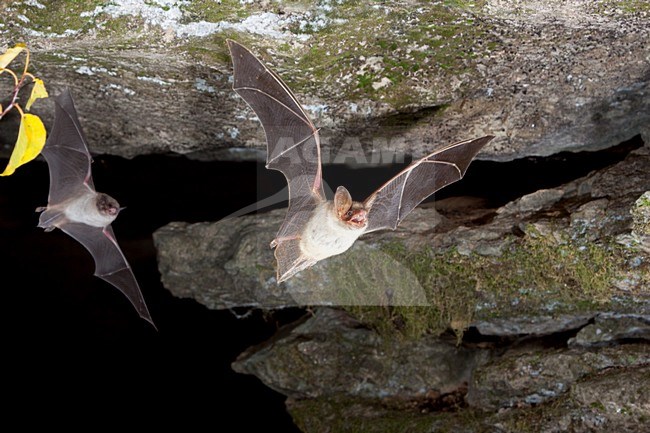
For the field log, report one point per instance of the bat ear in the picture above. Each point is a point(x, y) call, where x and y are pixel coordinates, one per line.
point(342, 201)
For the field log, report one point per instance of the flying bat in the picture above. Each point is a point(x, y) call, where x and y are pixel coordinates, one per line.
point(316, 228)
point(77, 209)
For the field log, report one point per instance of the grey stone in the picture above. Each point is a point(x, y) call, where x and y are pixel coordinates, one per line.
point(543, 77)
point(532, 326)
point(207, 261)
point(610, 329)
point(532, 377)
point(331, 354)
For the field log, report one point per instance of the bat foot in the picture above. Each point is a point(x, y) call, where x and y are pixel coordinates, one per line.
point(275, 242)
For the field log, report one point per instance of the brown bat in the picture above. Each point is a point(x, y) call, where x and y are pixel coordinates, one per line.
point(314, 227)
point(77, 209)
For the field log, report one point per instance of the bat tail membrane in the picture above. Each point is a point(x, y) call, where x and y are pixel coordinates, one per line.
point(290, 259)
point(49, 218)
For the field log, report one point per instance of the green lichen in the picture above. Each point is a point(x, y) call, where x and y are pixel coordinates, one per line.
point(466, 4)
point(407, 47)
point(372, 278)
point(348, 415)
point(535, 275)
point(211, 11)
point(449, 288)
point(213, 51)
point(338, 415)
point(598, 405)
point(567, 407)
point(641, 215)
point(624, 6)
point(58, 17)
point(74, 19)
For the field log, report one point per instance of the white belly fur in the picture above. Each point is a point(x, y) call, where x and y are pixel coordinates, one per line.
point(325, 235)
point(84, 210)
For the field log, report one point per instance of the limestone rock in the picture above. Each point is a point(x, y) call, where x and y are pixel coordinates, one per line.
point(339, 375)
point(331, 355)
point(610, 329)
point(535, 326)
point(154, 77)
point(531, 378)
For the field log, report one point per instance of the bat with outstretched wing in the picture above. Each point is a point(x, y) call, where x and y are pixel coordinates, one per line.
point(77, 209)
point(316, 228)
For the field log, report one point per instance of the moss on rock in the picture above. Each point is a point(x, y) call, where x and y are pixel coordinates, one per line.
point(537, 274)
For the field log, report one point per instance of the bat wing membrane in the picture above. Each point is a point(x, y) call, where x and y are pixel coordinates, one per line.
point(66, 153)
point(293, 147)
point(110, 263)
point(293, 144)
point(390, 204)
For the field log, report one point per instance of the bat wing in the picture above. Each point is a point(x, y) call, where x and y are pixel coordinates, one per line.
point(390, 204)
point(110, 263)
point(66, 153)
point(293, 147)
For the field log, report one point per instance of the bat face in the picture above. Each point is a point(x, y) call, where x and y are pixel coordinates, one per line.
point(78, 210)
point(357, 216)
point(315, 228)
point(354, 214)
point(107, 205)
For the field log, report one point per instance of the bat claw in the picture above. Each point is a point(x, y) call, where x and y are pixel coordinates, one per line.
point(274, 243)
point(40, 208)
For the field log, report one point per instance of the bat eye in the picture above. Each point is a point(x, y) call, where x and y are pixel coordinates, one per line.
point(348, 214)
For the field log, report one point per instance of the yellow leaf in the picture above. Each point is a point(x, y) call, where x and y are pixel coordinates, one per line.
point(30, 142)
point(10, 54)
point(38, 91)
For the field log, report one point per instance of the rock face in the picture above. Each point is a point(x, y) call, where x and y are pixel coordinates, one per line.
point(236, 254)
point(532, 315)
point(333, 355)
point(341, 376)
point(154, 77)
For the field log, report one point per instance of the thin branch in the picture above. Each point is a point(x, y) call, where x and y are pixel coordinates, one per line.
point(26, 62)
point(19, 83)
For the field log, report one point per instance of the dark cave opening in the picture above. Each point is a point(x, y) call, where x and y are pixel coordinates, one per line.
point(55, 309)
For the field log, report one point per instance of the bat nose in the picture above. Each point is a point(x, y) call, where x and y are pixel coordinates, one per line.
point(360, 215)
